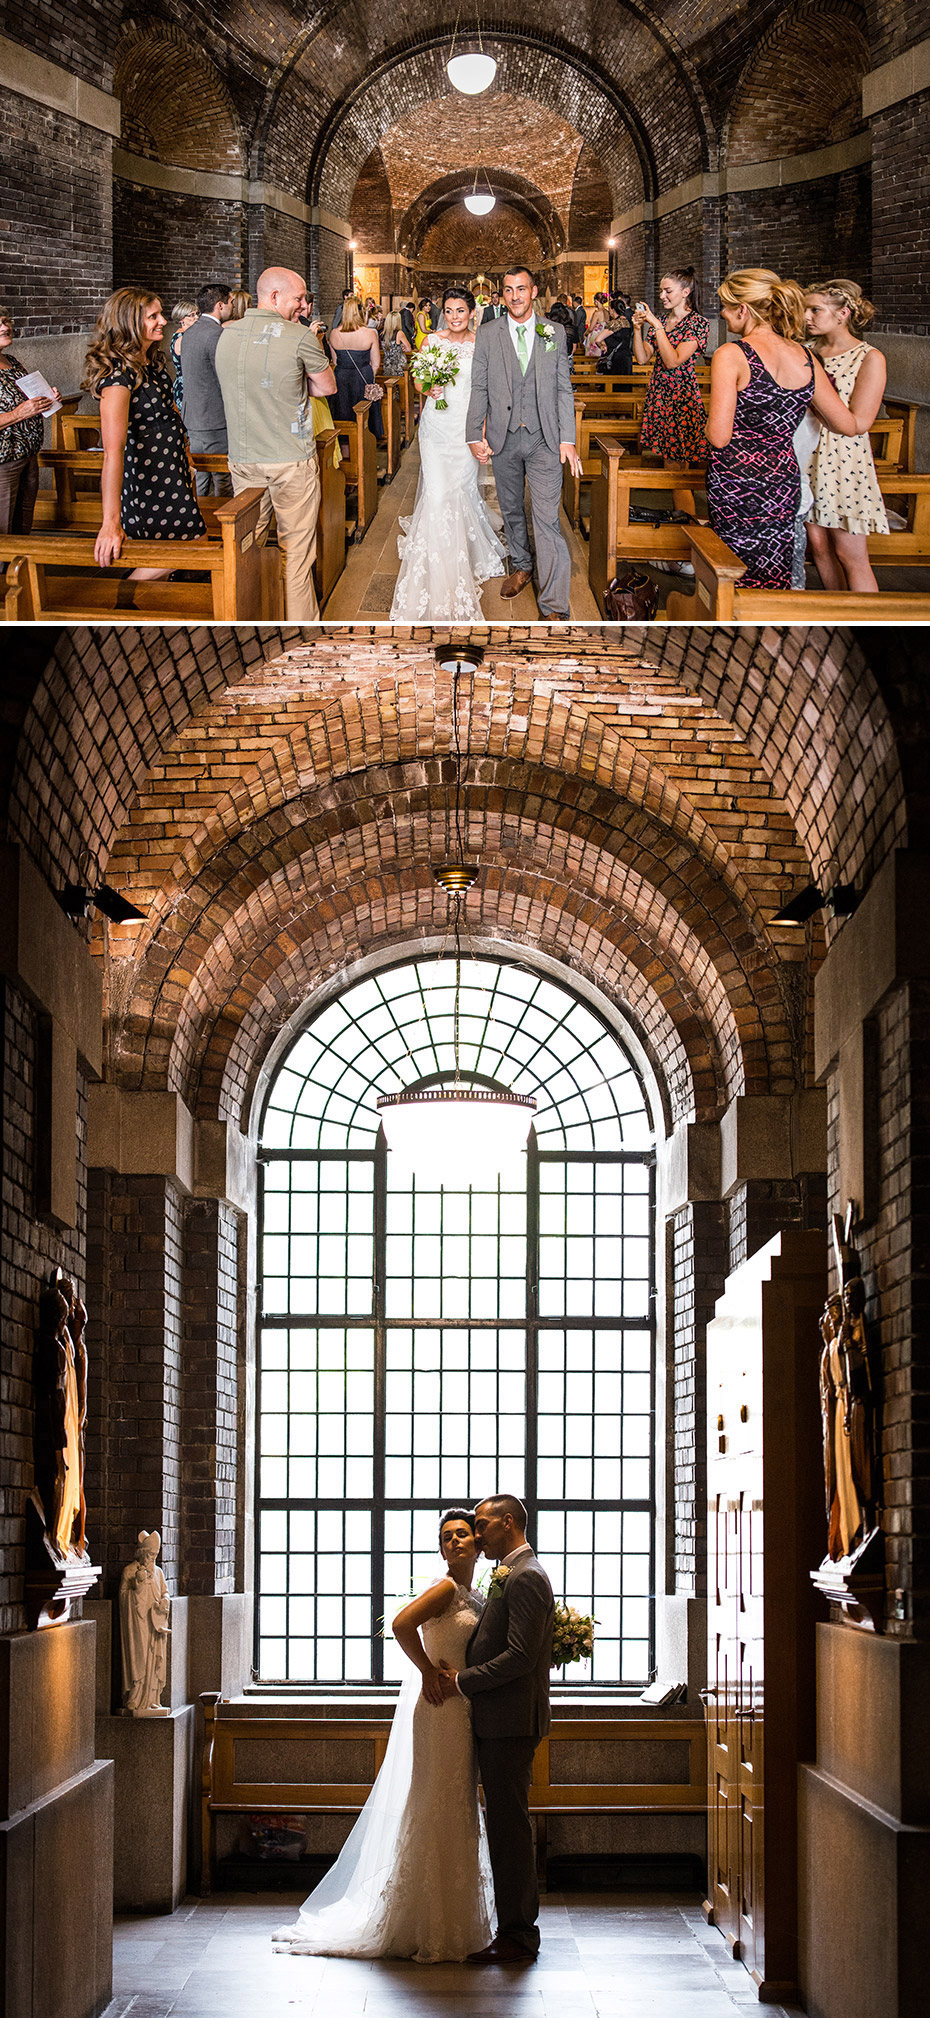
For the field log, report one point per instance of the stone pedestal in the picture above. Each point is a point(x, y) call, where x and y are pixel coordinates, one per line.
point(154, 1761)
point(105, 1613)
point(864, 1827)
point(56, 1829)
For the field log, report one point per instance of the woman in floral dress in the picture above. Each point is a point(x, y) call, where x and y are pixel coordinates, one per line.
point(673, 416)
point(847, 503)
point(760, 389)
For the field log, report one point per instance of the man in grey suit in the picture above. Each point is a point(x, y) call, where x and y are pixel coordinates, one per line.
point(202, 409)
point(507, 1682)
point(522, 411)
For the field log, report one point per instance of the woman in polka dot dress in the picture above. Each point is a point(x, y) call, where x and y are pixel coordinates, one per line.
point(847, 503)
point(146, 485)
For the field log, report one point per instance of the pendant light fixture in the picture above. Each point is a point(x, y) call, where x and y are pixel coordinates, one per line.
point(480, 201)
point(472, 70)
point(471, 1127)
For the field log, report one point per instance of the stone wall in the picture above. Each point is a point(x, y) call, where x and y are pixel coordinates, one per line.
point(812, 230)
point(173, 244)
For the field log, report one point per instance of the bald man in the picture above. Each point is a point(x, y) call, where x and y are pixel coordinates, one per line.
point(268, 365)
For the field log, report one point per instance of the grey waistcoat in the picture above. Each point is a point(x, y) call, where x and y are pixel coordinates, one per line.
point(525, 408)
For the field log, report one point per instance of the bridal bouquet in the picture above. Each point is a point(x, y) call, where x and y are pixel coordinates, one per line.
point(573, 1638)
point(435, 364)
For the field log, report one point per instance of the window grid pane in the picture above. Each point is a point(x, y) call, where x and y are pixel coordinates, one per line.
point(452, 1343)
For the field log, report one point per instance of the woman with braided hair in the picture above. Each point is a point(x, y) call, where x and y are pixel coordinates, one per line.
point(847, 500)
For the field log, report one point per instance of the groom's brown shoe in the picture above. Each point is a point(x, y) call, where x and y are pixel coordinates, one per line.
point(501, 1949)
point(512, 584)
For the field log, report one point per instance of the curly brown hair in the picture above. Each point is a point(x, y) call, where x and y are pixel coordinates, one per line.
point(118, 337)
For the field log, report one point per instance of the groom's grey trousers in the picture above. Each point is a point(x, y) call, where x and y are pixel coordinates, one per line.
point(525, 453)
point(506, 1768)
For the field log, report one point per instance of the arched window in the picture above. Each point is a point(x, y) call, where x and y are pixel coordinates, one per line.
point(423, 1345)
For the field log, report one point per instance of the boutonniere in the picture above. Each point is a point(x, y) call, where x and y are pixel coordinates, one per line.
point(499, 1576)
point(546, 331)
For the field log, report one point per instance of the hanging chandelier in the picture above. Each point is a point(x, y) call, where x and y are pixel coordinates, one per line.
point(472, 70)
point(473, 1127)
point(480, 201)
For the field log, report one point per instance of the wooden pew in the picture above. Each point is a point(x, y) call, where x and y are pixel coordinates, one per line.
point(718, 597)
point(53, 575)
point(905, 410)
point(408, 407)
point(620, 414)
point(359, 468)
point(391, 416)
point(612, 538)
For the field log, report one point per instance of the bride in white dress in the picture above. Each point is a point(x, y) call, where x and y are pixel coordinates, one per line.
point(414, 1876)
point(450, 546)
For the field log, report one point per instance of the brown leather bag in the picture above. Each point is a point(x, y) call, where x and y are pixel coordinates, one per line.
point(631, 598)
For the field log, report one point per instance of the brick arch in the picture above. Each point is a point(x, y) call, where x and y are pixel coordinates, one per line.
point(608, 861)
point(591, 205)
point(521, 199)
point(372, 210)
point(175, 105)
point(802, 85)
point(453, 242)
point(517, 135)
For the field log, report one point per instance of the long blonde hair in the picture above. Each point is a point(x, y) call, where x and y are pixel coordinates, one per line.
point(239, 300)
point(846, 294)
point(392, 326)
point(118, 337)
point(777, 302)
point(352, 317)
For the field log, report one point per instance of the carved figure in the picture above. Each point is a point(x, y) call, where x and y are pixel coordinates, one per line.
point(847, 1408)
point(144, 1607)
point(60, 1380)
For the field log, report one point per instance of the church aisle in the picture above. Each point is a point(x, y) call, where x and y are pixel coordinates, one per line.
point(366, 587)
point(604, 1955)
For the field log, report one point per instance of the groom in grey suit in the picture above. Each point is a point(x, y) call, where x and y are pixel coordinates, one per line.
point(522, 412)
point(507, 1681)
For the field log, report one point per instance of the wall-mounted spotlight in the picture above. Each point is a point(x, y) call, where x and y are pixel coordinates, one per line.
point(77, 901)
point(840, 902)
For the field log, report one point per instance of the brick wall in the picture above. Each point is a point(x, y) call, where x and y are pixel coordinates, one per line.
point(372, 216)
point(29, 1250)
point(696, 1265)
point(329, 270)
point(55, 219)
point(810, 230)
point(900, 212)
point(481, 244)
point(173, 243)
point(210, 1387)
point(591, 205)
point(80, 39)
point(681, 242)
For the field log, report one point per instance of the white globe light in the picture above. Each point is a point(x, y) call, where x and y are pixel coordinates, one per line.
point(462, 1134)
point(480, 202)
point(471, 73)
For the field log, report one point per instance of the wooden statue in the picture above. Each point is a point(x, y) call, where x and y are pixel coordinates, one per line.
point(60, 1384)
point(847, 1408)
point(58, 1567)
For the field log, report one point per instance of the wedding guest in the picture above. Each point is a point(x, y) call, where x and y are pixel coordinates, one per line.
point(396, 347)
point(268, 367)
point(596, 338)
point(357, 357)
point(202, 411)
point(564, 317)
point(348, 294)
point(145, 484)
point(847, 502)
point(581, 319)
point(760, 388)
point(673, 416)
point(183, 314)
point(408, 322)
point(239, 300)
point(21, 431)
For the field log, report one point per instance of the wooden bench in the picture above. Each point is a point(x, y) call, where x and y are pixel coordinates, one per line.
point(359, 468)
point(53, 575)
point(621, 415)
point(225, 1790)
point(408, 408)
point(718, 597)
point(613, 539)
point(392, 418)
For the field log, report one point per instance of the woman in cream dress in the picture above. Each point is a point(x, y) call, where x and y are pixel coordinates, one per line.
point(847, 501)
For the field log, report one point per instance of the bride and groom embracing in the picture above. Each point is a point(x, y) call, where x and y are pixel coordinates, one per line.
point(511, 400)
point(424, 1866)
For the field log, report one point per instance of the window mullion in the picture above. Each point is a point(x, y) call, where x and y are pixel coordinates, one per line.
point(532, 1326)
point(380, 1407)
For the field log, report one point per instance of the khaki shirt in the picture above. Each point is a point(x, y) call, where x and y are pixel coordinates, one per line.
point(263, 365)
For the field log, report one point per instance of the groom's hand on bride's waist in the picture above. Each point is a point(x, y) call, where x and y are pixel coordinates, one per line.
point(568, 453)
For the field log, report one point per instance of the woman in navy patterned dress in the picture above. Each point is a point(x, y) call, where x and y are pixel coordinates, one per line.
point(760, 389)
point(146, 485)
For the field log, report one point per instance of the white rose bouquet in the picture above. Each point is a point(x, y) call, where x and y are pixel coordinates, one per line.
point(436, 364)
point(573, 1638)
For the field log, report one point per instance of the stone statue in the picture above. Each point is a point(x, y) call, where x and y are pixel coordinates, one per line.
point(144, 1606)
point(848, 1411)
point(60, 1382)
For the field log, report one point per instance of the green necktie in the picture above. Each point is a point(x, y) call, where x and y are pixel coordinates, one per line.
point(522, 352)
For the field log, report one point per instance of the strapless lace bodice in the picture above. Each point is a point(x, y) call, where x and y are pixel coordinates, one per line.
point(446, 1638)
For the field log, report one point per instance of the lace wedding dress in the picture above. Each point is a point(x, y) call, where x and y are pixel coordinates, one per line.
point(450, 546)
point(414, 1876)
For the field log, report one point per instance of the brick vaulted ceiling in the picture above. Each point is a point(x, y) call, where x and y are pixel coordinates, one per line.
point(274, 807)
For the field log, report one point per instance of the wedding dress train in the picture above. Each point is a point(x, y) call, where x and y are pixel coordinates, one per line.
point(414, 1876)
point(450, 546)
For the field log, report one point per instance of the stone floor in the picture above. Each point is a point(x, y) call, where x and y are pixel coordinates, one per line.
point(604, 1955)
